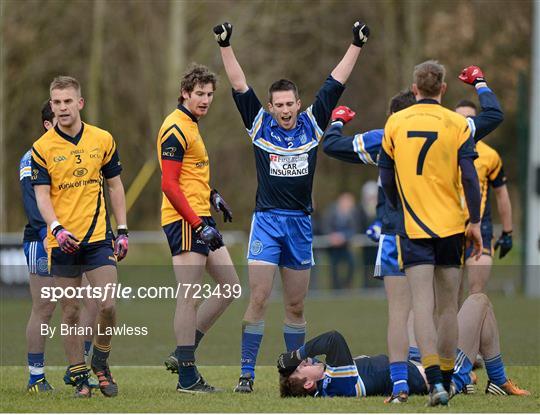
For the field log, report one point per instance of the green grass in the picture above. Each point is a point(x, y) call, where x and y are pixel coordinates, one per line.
point(150, 389)
point(146, 387)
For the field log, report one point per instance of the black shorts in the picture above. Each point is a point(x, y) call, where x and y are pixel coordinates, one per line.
point(441, 252)
point(182, 237)
point(486, 228)
point(89, 256)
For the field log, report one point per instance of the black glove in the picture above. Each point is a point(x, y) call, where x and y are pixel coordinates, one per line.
point(223, 33)
point(220, 205)
point(288, 362)
point(210, 236)
point(360, 33)
point(505, 242)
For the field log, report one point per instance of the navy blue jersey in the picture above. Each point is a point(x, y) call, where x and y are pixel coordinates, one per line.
point(348, 377)
point(36, 228)
point(363, 148)
point(285, 159)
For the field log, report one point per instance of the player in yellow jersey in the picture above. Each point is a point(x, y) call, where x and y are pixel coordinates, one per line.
point(194, 241)
point(423, 149)
point(70, 164)
point(491, 175)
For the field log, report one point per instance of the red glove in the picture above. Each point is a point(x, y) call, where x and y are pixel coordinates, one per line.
point(343, 114)
point(472, 75)
point(121, 244)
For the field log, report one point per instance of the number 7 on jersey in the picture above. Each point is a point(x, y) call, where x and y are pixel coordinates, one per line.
point(430, 137)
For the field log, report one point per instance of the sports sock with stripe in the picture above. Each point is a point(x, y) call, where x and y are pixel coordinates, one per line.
point(447, 370)
point(87, 347)
point(294, 335)
point(36, 366)
point(495, 370)
point(462, 371)
point(252, 334)
point(100, 355)
point(187, 375)
point(432, 367)
point(400, 376)
point(414, 354)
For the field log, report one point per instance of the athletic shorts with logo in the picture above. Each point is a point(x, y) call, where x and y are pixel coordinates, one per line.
point(89, 256)
point(443, 252)
point(36, 258)
point(387, 262)
point(182, 237)
point(282, 237)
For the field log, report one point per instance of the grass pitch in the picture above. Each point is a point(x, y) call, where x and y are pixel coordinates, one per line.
point(145, 386)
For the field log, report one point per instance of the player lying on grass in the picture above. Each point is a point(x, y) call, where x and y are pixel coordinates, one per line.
point(300, 374)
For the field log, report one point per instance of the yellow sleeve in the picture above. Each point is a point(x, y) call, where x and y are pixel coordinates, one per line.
point(38, 155)
point(110, 149)
point(495, 166)
point(388, 142)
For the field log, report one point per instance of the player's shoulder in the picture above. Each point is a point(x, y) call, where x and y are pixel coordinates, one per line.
point(43, 141)
point(456, 119)
point(174, 120)
point(99, 133)
point(485, 150)
point(26, 160)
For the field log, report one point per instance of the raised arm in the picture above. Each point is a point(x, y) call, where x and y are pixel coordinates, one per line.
point(344, 68)
point(491, 115)
point(223, 33)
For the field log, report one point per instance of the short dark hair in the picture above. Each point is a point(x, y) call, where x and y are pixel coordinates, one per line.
point(195, 75)
point(283, 85)
point(47, 113)
point(429, 78)
point(466, 103)
point(293, 387)
point(400, 101)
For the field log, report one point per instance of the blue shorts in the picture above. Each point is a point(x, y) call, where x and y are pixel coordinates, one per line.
point(36, 258)
point(281, 237)
point(387, 263)
point(487, 240)
point(88, 257)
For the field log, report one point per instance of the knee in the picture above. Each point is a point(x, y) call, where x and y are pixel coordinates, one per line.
point(259, 298)
point(480, 299)
point(70, 313)
point(108, 311)
point(295, 309)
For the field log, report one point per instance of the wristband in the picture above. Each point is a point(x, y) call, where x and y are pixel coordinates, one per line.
point(54, 225)
point(122, 231)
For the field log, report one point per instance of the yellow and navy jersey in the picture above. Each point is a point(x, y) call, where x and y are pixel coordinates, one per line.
point(179, 139)
point(424, 144)
point(75, 168)
point(490, 172)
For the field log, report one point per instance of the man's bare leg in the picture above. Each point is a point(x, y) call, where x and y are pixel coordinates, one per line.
point(88, 318)
point(189, 269)
point(398, 296)
point(295, 285)
point(478, 273)
point(70, 316)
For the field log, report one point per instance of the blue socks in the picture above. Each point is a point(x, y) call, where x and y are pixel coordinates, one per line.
point(462, 371)
point(187, 373)
point(252, 334)
point(414, 354)
point(36, 366)
point(495, 370)
point(294, 335)
point(399, 375)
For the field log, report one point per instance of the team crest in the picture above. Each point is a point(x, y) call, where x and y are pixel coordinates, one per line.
point(256, 247)
point(42, 265)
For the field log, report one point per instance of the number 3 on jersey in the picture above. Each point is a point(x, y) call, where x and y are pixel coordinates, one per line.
point(430, 137)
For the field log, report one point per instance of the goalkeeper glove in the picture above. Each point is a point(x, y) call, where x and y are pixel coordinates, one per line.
point(360, 33)
point(288, 362)
point(223, 33)
point(66, 241)
point(472, 75)
point(505, 243)
point(121, 244)
point(220, 205)
point(210, 236)
point(373, 232)
point(343, 114)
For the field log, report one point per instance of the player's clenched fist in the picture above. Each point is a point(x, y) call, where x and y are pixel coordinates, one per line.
point(223, 33)
point(66, 241)
point(121, 244)
point(343, 114)
point(472, 75)
point(210, 236)
point(360, 32)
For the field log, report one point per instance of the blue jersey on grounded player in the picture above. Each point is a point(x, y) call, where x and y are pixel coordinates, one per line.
point(36, 228)
point(365, 147)
point(285, 159)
